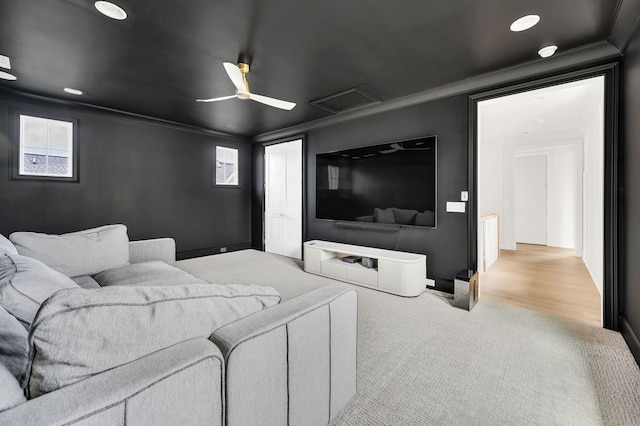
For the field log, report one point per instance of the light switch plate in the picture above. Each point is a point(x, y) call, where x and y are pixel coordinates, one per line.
point(455, 206)
point(464, 196)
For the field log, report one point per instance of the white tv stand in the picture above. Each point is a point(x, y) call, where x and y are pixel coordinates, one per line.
point(397, 272)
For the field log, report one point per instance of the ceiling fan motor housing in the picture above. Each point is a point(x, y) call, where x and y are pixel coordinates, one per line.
point(244, 69)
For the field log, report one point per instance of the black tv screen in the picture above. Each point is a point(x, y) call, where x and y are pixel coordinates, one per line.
point(391, 183)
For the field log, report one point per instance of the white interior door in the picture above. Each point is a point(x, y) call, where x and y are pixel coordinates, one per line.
point(531, 199)
point(283, 199)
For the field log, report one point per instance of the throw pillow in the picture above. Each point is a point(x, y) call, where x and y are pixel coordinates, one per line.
point(14, 350)
point(383, 216)
point(78, 253)
point(425, 219)
point(27, 283)
point(83, 332)
point(404, 217)
point(152, 272)
point(85, 281)
point(11, 394)
point(365, 218)
point(6, 246)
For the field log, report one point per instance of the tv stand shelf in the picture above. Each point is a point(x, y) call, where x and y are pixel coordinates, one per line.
point(397, 272)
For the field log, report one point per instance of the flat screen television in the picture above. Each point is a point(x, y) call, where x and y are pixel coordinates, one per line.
point(391, 183)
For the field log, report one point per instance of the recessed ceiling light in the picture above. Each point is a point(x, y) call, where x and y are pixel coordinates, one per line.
point(7, 76)
point(73, 91)
point(111, 10)
point(547, 51)
point(524, 23)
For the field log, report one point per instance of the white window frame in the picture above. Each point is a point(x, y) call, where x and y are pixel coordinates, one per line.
point(226, 155)
point(21, 147)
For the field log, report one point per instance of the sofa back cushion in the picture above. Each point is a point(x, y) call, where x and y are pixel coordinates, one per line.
point(26, 283)
point(404, 216)
point(6, 246)
point(14, 350)
point(383, 216)
point(83, 332)
point(426, 218)
point(78, 253)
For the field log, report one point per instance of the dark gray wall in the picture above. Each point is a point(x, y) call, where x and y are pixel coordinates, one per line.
point(446, 245)
point(155, 178)
point(257, 196)
point(631, 155)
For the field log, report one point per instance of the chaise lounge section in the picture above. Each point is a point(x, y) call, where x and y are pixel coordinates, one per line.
point(165, 347)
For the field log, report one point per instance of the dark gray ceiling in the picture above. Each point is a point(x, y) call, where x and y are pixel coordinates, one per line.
point(168, 52)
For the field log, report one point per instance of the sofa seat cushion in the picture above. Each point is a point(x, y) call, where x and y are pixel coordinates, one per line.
point(11, 393)
point(26, 284)
point(78, 253)
point(150, 273)
point(14, 350)
point(83, 332)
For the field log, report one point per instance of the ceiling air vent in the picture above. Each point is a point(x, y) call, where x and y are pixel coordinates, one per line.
point(342, 101)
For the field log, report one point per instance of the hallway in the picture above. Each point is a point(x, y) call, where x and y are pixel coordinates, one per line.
point(546, 279)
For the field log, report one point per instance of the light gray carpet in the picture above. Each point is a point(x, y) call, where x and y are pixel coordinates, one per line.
point(423, 362)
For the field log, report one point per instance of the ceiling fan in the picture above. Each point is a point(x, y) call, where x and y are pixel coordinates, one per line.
point(238, 76)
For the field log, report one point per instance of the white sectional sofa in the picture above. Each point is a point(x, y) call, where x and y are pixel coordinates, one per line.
point(95, 329)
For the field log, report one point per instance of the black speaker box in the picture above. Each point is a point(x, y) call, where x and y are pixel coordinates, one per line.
point(368, 262)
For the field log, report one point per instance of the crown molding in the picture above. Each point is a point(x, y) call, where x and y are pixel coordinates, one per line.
point(584, 55)
point(625, 23)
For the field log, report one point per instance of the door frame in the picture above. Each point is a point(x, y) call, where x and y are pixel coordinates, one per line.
point(303, 138)
point(612, 248)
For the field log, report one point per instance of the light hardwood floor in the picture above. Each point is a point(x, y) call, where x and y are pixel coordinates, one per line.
point(546, 279)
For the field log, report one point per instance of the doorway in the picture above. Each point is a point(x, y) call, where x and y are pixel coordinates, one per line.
point(541, 169)
point(283, 199)
point(531, 199)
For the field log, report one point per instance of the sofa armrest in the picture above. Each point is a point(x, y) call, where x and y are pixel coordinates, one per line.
point(181, 384)
point(294, 363)
point(156, 249)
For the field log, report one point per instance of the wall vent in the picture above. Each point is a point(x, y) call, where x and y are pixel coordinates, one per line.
point(344, 100)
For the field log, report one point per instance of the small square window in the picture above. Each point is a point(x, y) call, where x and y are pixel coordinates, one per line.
point(44, 149)
point(226, 166)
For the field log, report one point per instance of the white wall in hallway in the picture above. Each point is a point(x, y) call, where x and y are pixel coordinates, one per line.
point(594, 193)
point(563, 178)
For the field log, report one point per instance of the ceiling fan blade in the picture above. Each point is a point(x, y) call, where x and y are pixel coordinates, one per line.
point(222, 98)
point(235, 75)
point(272, 102)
